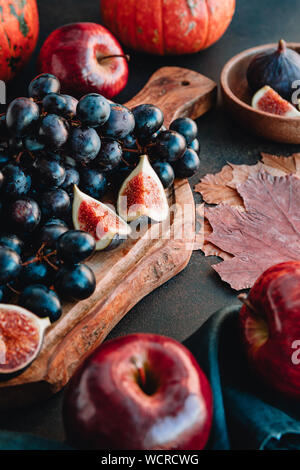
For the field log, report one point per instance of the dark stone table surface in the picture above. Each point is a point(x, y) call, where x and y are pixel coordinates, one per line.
point(180, 306)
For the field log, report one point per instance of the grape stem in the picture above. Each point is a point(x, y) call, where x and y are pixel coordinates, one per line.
point(50, 264)
point(13, 290)
point(130, 150)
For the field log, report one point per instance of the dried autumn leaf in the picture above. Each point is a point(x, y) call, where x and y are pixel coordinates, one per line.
point(284, 165)
point(215, 189)
point(203, 230)
point(240, 173)
point(221, 187)
point(267, 233)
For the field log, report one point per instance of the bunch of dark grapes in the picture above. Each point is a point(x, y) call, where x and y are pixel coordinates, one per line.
point(50, 142)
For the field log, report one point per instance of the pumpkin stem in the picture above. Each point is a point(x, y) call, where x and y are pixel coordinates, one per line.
point(281, 46)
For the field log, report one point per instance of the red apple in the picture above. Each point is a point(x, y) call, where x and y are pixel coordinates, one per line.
point(141, 391)
point(270, 325)
point(80, 55)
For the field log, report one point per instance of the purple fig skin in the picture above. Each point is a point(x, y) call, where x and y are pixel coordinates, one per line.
point(279, 68)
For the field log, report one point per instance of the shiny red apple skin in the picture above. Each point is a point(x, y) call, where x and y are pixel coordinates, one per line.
point(105, 408)
point(276, 299)
point(72, 54)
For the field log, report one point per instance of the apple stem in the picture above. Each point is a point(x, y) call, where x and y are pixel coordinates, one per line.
point(142, 375)
point(140, 371)
point(115, 56)
point(244, 299)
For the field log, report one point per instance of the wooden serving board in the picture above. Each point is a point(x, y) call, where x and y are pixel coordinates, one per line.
point(131, 271)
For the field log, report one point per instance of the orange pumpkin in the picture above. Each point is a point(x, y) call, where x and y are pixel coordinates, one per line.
point(167, 26)
point(19, 29)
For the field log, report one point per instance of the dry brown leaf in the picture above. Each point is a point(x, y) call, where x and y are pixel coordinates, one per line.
point(267, 233)
point(203, 230)
point(284, 165)
point(221, 187)
point(215, 189)
point(240, 173)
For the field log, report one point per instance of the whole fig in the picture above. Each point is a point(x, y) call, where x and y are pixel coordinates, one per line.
point(278, 67)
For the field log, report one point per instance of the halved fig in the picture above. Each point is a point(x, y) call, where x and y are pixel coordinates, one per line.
point(142, 194)
point(21, 338)
point(268, 100)
point(99, 220)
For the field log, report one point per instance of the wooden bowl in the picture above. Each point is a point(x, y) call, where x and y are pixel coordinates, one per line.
point(237, 100)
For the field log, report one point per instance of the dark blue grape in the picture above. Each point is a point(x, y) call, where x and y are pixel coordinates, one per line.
point(25, 215)
point(188, 165)
point(26, 162)
point(168, 146)
point(56, 221)
point(36, 272)
point(165, 173)
point(71, 106)
point(186, 127)
point(143, 142)
point(54, 131)
point(16, 183)
point(93, 183)
point(75, 246)
point(72, 178)
point(50, 233)
point(49, 173)
point(42, 301)
point(195, 145)
point(12, 242)
point(75, 282)
point(21, 116)
point(5, 158)
point(130, 158)
point(54, 103)
point(55, 203)
point(120, 123)
point(93, 110)
point(109, 156)
point(69, 162)
point(85, 144)
point(15, 145)
point(3, 127)
point(5, 294)
point(121, 173)
point(33, 144)
point(10, 265)
point(148, 120)
point(42, 85)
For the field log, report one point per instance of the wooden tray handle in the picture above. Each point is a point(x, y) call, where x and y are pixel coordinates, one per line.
point(178, 92)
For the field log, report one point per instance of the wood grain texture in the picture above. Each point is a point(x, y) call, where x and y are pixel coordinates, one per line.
point(131, 271)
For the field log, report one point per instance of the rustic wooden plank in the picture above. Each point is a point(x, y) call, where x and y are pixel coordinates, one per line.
point(131, 271)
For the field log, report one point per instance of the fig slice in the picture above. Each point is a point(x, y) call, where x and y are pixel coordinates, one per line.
point(142, 194)
point(99, 220)
point(268, 100)
point(21, 338)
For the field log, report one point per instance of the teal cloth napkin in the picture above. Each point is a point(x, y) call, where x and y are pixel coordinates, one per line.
point(247, 414)
point(18, 441)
